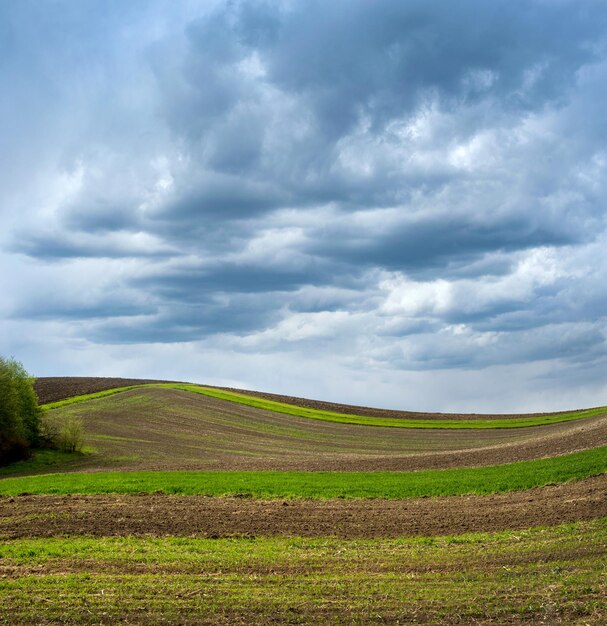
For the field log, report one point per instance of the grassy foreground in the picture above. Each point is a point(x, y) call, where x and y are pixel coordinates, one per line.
point(344, 418)
point(481, 480)
point(552, 575)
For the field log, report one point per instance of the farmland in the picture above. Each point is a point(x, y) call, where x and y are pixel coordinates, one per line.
point(171, 429)
point(204, 508)
point(551, 575)
point(420, 421)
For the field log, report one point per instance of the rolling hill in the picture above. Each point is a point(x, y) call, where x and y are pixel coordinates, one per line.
point(215, 506)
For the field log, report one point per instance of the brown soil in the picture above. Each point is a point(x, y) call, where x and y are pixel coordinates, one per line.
point(54, 388)
point(158, 515)
point(167, 429)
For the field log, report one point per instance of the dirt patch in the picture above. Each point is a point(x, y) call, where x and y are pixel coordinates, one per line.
point(159, 515)
point(54, 388)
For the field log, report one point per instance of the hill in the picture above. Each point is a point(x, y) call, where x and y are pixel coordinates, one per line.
point(191, 505)
point(160, 429)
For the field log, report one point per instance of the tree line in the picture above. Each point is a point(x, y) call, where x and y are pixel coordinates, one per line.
point(24, 426)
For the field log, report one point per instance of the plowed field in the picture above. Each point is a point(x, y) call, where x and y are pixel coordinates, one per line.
point(165, 429)
point(533, 556)
point(158, 515)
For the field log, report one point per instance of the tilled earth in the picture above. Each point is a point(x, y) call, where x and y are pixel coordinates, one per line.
point(54, 388)
point(161, 515)
point(561, 582)
point(164, 429)
point(51, 389)
point(168, 429)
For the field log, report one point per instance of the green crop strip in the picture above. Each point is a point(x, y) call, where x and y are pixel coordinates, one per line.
point(264, 484)
point(344, 418)
point(541, 575)
point(230, 552)
point(89, 396)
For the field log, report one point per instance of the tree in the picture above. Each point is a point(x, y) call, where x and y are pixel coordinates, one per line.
point(8, 401)
point(19, 412)
point(27, 402)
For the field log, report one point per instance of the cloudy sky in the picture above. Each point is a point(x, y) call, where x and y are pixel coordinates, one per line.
point(383, 202)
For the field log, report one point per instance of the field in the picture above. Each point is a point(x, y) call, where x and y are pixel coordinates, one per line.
point(207, 508)
point(547, 576)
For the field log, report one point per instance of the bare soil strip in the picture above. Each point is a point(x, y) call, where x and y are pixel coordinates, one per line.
point(160, 515)
point(54, 388)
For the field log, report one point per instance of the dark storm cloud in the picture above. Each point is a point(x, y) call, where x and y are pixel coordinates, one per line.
point(434, 243)
point(325, 68)
point(197, 284)
point(101, 216)
point(223, 197)
point(224, 278)
point(382, 58)
point(61, 246)
point(82, 311)
point(424, 174)
point(353, 58)
point(561, 303)
point(183, 322)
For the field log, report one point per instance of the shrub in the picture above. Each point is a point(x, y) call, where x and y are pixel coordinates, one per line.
point(65, 433)
point(72, 434)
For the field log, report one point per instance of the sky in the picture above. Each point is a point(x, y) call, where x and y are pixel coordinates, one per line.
point(388, 203)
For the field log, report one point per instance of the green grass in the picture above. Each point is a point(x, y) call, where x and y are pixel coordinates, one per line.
point(544, 575)
point(265, 484)
point(343, 418)
point(42, 460)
